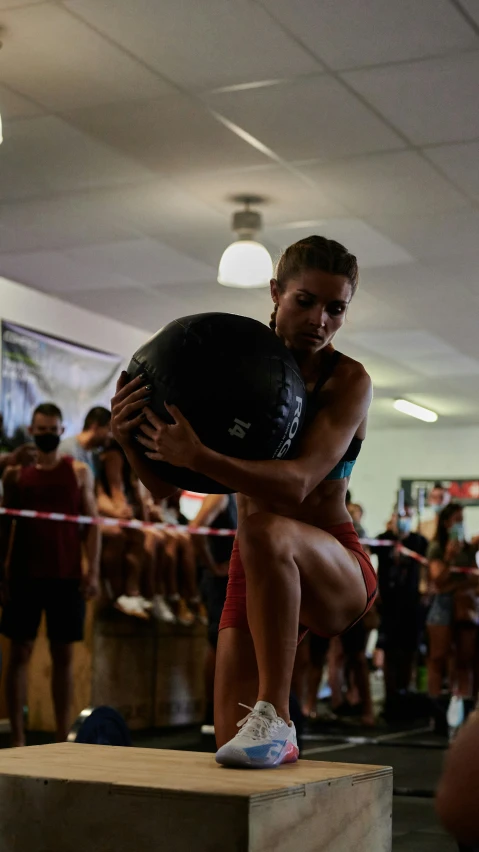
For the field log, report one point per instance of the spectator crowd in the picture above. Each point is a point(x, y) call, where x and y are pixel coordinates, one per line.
point(421, 637)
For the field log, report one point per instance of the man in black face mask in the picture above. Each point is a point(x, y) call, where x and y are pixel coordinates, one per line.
point(42, 566)
point(399, 579)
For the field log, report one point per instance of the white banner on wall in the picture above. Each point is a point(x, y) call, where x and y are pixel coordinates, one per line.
point(39, 368)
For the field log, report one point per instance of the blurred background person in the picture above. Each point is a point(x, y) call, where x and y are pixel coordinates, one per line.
point(180, 574)
point(399, 604)
point(123, 550)
point(93, 437)
point(218, 511)
point(452, 619)
point(42, 567)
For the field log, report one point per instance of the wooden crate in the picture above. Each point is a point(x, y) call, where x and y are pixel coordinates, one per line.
point(152, 673)
point(179, 690)
point(123, 668)
point(103, 799)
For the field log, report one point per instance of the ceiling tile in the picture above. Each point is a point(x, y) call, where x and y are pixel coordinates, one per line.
point(170, 135)
point(200, 45)
point(459, 163)
point(13, 4)
point(471, 6)
point(449, 364)
point(140, 308)
point(401, 345)
point(370, 247)
point(63, 64)
point(59, 223)
point(173, 216)
point(431, 101)
point(55, 272)
point(15, 106)
point(144, 261)
point(46, 155)
point(452, 233)
point(287, 197)
point(311, 118)
point(254, 303)
point(401, 183)
point(350, 34)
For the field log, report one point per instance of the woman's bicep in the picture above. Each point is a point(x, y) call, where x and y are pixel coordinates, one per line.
point(436, 568)
point(332, 430)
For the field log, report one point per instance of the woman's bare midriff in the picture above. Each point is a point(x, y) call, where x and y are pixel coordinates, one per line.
point(324, 507)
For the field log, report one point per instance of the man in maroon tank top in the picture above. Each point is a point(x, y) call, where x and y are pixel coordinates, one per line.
point(42, 566)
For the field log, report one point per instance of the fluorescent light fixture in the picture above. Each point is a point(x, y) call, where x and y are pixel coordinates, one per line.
point(413, 410)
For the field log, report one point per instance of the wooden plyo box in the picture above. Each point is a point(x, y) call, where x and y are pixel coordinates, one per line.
point(90, 798)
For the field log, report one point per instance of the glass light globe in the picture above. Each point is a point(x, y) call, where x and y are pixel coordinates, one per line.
point(245, 263)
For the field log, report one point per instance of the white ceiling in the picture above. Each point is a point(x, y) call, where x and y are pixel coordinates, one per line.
point(129, 127)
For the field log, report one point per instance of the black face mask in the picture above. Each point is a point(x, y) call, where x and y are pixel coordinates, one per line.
point(47, 443)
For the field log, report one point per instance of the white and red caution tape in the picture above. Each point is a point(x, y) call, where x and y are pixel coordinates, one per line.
point(112, 522)
point(151, 525)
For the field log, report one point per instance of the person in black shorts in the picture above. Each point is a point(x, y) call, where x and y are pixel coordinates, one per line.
point(42, 567)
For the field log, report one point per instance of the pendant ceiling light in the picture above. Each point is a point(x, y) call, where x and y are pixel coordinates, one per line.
point(246, 262)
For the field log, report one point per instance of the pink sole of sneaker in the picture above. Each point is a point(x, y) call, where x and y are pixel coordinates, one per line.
point(291, 754)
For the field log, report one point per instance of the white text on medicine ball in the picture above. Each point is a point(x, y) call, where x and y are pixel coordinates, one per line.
point(292, 429)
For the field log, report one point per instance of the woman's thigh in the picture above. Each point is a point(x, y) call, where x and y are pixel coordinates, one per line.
point(440, 641)
point(333, 590)
point(236, 681)
point(466, 639)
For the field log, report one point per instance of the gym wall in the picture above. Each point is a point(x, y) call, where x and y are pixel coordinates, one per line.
point(430, 451)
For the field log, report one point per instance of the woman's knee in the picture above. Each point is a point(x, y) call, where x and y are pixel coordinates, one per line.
point(263, 531)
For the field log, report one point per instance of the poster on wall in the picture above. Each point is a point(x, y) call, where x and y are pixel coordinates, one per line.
point(463, 491)
point(39, 368)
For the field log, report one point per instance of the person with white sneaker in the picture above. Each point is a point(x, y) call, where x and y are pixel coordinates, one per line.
point(118, 497)
point(297, 563)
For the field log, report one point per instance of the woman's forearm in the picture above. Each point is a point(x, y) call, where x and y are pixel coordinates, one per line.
point(142, 467)
point(262, 480)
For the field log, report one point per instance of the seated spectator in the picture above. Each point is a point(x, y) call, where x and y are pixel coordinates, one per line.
point(94, 435)
point(182, 597)
point(42, 567)
point(123, 552)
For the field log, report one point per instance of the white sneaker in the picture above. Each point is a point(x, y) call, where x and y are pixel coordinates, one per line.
point(264, 740)
point(161, 611)
point(146, 604)
point(131, 606)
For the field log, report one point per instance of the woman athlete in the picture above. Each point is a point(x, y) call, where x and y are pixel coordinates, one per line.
point(297, 563)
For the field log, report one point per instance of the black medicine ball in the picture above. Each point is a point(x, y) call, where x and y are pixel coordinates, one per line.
point(233, 380)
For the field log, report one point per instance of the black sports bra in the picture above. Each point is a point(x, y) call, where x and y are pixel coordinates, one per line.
point(346, 464)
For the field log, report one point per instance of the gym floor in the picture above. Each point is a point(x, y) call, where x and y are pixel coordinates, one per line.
point(416, 756)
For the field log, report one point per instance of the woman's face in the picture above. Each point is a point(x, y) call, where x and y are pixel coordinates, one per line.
point(311, 309)
point(456, 518)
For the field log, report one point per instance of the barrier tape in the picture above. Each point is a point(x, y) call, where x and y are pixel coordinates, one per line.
point(152, 525)
point(112, 522)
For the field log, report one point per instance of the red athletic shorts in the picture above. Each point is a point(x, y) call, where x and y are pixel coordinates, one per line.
point(234, 610)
